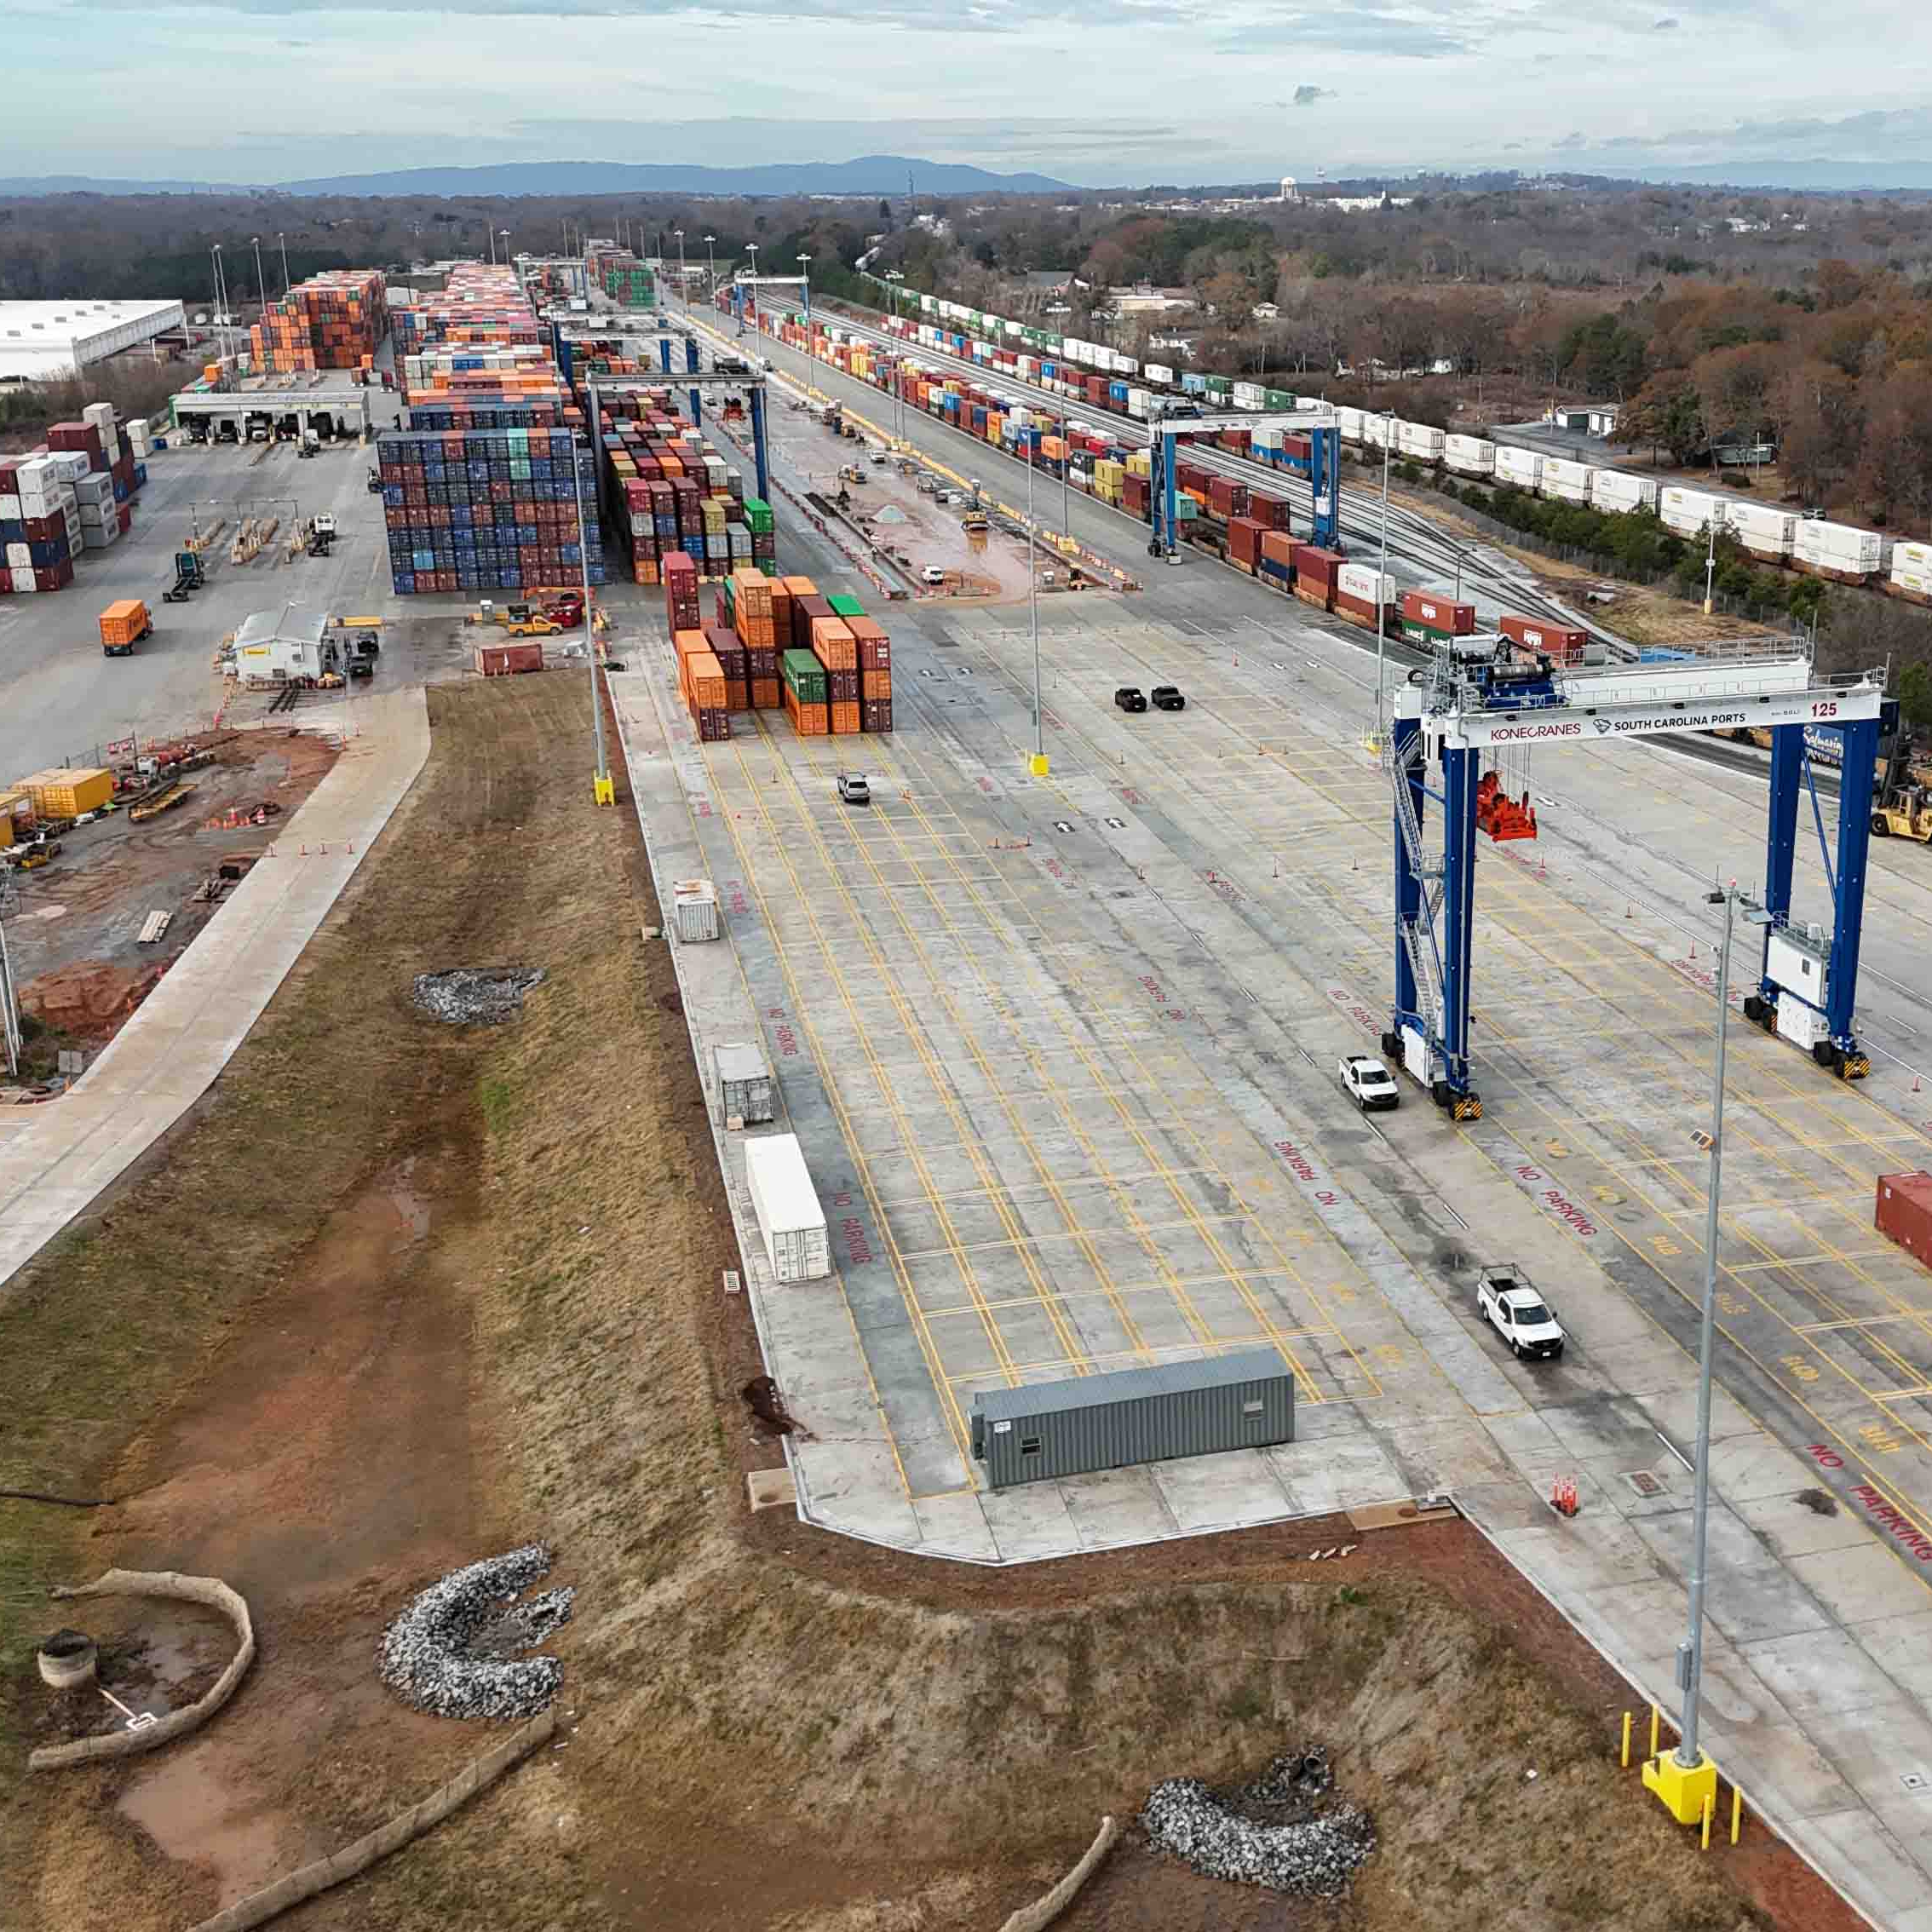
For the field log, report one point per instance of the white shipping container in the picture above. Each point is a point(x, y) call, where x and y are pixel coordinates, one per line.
point(1469, 456)
point(1155, 373)
point(1419, 440)
point(9, 506)
point(1838, 546)
point(1763, 531)
point(744, 1082)
point(1911, 567)
point(1687, 511)
point(1566, 481)
point(694, 910)
point(1616, 491)
point(1249, 395)
point(1360, 580)
point(18, 557)
point(1523, 467)
point(24, 585)
point(790, 1219)
point(1377, 431)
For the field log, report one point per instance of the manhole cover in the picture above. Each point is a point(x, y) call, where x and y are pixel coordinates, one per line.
point(1643, 1482)
point(1916, 1781)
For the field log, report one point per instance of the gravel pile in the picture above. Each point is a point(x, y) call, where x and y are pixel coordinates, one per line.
point(1291, 1847)
point(471, 995)
point(452, 1651)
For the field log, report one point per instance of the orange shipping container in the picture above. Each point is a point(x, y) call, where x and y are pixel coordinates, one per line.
point(764, 693)
point(833, 645)
point(707, 692)
point(845, 718)
point(808, 721)
point(877, 684)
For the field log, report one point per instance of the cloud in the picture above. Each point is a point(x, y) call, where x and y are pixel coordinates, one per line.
point(1306, 96)
point(1663, 26)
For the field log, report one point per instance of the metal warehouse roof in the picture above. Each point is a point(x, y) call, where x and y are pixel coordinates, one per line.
point(296, 623)
point(38, 338)
point(1129, 1385)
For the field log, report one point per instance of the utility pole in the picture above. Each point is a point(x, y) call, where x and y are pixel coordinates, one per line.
point(283, 240)
point(1381, 567)
point(9, 1008)
point(1039, 763)
point(261, 293)
point(602, 791)
point(711, 262)
point(1710, 562)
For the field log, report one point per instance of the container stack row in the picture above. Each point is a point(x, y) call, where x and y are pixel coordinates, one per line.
point(776, 643)
point(74, 494)
point(488, 509)
point(479, 307)
point(334, 320)
point(672, 492)
point(619, 272)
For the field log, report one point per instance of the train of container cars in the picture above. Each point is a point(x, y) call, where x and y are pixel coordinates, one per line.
point(1102, 378)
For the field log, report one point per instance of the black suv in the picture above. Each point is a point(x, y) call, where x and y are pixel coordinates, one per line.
point(1168, 698)
point(1130, 698)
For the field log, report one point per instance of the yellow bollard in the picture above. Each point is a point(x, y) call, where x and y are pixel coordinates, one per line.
point(1708, 1806)
point(1654, 1730)
point(1624, 1757)
point(1737, 1813)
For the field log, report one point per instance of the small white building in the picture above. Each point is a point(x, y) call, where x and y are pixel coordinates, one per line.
point(282, 646)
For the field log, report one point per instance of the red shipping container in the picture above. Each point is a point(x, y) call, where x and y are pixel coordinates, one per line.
point(1299, 447)
point(1136, 491)
point(1244, 541)
point(507, 660)
point(876, 713)
point(1270, 512)
point(875, 648)
point(738, 694)
point(841, 687)
point(1903, 1212)
point(56, 577)
point(1439, 614)
point(1226, 499)
point(1563, 642)
point(765, 694)
point(1316, 566)
point(1310, 590)
point(761, 664)
point(1359, 608)
point(713, 724)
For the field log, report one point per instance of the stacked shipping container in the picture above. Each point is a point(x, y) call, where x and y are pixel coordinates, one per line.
point(73, 494)
point(334, 320)
point(776, 643)
point(619, 272)
point(481, 491)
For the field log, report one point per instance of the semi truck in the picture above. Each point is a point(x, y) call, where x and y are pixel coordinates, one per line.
point(123, 626)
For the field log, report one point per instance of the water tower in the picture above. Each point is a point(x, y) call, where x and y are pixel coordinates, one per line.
point(1289, 191)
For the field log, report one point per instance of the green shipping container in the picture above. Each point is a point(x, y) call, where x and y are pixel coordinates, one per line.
point(758, 516)
point(847, 606)
point(1279, 399)
point(805, 674)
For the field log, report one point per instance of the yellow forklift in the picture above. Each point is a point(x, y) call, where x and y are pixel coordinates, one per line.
point(1904, 811)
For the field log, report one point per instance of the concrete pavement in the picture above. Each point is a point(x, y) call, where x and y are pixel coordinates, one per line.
point(56, 1157)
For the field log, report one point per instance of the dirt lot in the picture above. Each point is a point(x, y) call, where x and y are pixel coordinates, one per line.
point(399, 1296)
point(76, 934)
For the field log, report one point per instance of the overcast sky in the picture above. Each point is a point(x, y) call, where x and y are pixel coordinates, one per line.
point(1186, 91)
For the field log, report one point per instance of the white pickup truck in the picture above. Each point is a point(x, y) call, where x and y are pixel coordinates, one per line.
point(1519, 1314)
point(1368, 1082)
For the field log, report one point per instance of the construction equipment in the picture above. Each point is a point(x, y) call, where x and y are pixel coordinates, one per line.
point(975, 523)
point(1904, 811)
point(187, 577)
point(162, 801)
point(852, 474)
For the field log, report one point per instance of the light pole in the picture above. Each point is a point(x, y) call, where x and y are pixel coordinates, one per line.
point(504, 235)
point(490, 245)
point(1040, 762)
point(283, 240)
point(711, 262)
point(10, 1010)
point(1687, 1780)
point(750, 249)
point(222, 317)
point(1381, 567)
point(805, 280)
point(602, 791)
point(1710, 562)
point(260, 292)
point(679, 233)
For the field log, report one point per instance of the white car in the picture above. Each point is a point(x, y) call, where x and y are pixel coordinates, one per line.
point(1364, 1078)
point(932, 574)
point(1519, 1314)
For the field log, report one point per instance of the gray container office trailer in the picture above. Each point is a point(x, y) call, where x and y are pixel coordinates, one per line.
point(1244, 1400)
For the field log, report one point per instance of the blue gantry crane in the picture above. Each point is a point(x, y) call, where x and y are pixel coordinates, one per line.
point(1478, 697)
point(1325, 444)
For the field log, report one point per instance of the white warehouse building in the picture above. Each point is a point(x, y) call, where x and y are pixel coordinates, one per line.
point(47, 341)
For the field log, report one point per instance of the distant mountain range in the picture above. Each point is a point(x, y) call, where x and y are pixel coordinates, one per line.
point(871, 173)
point(1816, 177)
